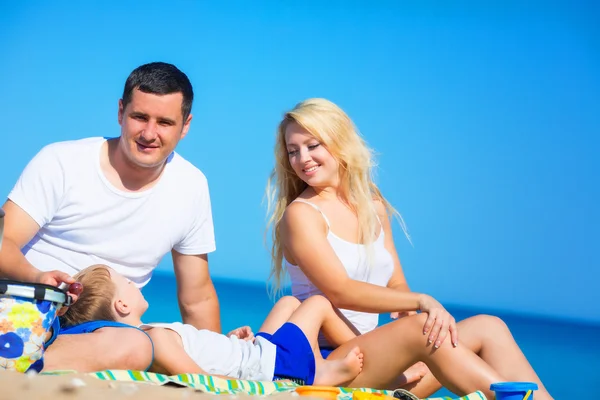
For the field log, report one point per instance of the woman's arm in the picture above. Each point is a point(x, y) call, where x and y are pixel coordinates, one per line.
point(305, 240)
point(397, 280)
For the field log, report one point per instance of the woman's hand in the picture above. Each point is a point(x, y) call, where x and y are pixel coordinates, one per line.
point(401, 314)
point(244, 333)
point(439, 322)
point(413, 375)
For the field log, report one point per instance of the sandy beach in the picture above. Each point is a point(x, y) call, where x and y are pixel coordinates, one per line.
point(18, 386)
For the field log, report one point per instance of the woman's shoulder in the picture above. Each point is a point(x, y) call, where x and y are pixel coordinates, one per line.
point(302, 212)
point(300, 207)
point(380, 207)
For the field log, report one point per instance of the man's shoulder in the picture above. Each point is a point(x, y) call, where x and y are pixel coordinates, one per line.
point(72, 147)
point(185, 169)
point(65, 154)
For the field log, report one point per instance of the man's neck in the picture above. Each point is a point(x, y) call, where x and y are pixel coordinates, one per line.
point(123, 174)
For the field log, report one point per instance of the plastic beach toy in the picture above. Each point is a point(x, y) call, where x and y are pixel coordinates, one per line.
point(514, 390)
point(324, 392)
point(359, 395)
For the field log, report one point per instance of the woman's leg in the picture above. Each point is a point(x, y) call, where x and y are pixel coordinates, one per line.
point(490, 338)
point(423, 387)
point(391, 349)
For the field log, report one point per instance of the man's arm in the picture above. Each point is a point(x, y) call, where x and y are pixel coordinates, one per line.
point(33, 202)
point(197, 297)
point(19, 229)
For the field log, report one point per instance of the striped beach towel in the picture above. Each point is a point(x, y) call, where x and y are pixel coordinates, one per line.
point(211, 384)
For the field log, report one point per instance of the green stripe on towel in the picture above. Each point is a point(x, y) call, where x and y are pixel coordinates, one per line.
point(211, 384)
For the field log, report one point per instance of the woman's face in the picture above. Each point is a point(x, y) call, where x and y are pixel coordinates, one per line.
point(309, 159)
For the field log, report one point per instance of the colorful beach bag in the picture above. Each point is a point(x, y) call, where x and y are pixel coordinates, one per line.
point(1, 226)
point(27, 311)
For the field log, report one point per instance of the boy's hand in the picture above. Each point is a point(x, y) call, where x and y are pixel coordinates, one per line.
point(244, 332)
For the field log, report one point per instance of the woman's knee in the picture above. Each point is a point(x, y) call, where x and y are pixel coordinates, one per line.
point(481, 327)
point(489, 322)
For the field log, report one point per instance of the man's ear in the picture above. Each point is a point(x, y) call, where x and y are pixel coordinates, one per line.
point(186, 126)
point(121, 110)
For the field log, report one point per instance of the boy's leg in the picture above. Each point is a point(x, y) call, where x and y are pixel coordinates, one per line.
point(314, 313)
point(279, 314)
point(338, 330)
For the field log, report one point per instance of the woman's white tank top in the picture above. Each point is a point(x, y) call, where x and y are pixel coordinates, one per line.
point(354, 259)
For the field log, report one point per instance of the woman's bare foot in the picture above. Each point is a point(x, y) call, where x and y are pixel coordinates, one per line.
point(413, 374)
point(337, 372)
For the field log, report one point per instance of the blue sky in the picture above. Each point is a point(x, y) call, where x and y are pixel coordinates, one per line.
point(484, 115)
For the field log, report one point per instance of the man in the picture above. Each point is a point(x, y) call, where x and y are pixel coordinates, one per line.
point(124, 202)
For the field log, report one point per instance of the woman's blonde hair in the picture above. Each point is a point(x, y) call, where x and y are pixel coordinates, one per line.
point(332, 127)
point(95, 302)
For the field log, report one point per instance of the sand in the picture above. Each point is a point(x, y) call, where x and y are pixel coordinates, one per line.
point(18, 386)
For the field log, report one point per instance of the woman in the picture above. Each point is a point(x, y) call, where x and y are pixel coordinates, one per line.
point(331, 231)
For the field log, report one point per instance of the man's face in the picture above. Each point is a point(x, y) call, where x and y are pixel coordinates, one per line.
point(151, 127)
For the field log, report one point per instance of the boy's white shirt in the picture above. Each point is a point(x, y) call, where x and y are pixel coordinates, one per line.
point(218, 354)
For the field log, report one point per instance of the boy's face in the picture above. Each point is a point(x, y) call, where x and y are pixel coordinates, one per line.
point(128, 293)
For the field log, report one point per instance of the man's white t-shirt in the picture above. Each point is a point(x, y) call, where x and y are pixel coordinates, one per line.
point(85, 220)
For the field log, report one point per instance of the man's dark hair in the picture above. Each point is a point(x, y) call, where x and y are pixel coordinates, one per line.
point(160, 78)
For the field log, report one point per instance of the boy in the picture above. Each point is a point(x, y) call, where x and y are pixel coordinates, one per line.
point(285, 348)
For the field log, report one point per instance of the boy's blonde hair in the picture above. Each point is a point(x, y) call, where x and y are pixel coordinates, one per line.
point(95, 302)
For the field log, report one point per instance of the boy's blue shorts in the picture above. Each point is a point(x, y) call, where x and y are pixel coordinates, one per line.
point(294, 358)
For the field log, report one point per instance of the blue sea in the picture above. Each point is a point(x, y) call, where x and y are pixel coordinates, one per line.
point(565, 354)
